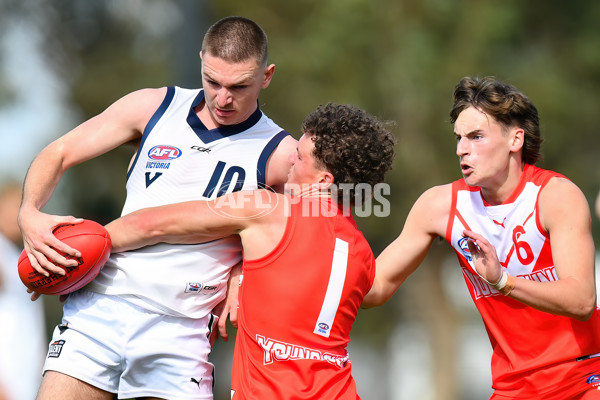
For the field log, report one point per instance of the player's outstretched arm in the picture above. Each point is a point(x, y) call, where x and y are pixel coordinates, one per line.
point(173, 223)
point(565, 214)
point(122, 122)
point(426, 220)
point(193, 221)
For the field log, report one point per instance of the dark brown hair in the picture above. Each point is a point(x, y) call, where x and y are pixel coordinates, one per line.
point(506, 104)
point(350, 143)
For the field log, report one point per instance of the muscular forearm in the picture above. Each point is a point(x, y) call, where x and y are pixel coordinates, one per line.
point(566, 297)
point(42, 178)
point(183, 223)
point(131, 232)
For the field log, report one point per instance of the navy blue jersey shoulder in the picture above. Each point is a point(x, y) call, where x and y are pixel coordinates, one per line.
point(264, 157)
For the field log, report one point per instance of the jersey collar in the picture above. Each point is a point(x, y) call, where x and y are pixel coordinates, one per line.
point(210, 135)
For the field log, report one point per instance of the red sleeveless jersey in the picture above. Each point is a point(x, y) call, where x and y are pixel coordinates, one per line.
point(534, 353)
point(297, 306)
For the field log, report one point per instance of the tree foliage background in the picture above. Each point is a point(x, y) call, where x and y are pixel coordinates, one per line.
point(398, 59)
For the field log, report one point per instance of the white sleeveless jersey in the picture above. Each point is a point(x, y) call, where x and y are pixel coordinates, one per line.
point(180, 160)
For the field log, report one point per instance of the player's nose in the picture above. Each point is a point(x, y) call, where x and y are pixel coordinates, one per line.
point(293, 157)
point(462, 147)
point(224, 97)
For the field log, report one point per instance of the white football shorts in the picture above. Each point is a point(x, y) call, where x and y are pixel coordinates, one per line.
point(122, 348)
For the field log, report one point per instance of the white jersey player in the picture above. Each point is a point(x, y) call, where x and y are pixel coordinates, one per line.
point(180, 160)
point(141, 330)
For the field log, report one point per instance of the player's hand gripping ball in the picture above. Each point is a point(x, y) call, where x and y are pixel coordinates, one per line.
point(92, 241)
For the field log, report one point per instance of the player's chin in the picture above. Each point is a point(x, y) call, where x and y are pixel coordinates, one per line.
point(470, 180)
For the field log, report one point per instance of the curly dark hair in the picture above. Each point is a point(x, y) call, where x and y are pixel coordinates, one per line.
point(350, 143)
point(506, 104)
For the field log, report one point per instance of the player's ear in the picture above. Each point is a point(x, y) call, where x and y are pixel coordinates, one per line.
point(517, 139)
point(269, 71)
point(326, 180)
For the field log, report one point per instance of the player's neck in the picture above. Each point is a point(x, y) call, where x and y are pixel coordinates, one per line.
point(504, 186)
point(315, 192)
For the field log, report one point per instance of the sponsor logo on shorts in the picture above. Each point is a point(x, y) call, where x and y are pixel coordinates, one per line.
point(55, 348)
point(197, 382)
point(199, 287)
point(593, 380)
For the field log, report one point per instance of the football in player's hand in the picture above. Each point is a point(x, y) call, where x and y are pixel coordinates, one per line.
point(92, 241)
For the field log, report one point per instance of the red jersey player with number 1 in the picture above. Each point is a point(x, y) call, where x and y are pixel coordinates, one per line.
point(523, 239)
point(306, 265)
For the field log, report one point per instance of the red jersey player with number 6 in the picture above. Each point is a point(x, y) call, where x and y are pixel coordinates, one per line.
point(306, 265)
point(523, 240)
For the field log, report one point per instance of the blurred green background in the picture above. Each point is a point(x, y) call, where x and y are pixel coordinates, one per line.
point(65, 61)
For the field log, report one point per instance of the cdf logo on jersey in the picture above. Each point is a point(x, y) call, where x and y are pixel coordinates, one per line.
point(164, 153)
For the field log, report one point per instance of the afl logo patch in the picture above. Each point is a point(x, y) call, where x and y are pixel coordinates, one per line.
point(462, 243)
point(193, 287)
point(164, 153)
point(323, 326)
point(593, 379)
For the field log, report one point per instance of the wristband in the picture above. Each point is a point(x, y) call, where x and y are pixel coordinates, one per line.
point(505, 284)
point(501, 282)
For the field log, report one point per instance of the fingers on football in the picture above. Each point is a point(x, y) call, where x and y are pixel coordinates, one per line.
point(45, 266)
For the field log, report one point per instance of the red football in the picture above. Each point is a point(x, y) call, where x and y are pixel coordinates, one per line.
point(92, 241)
